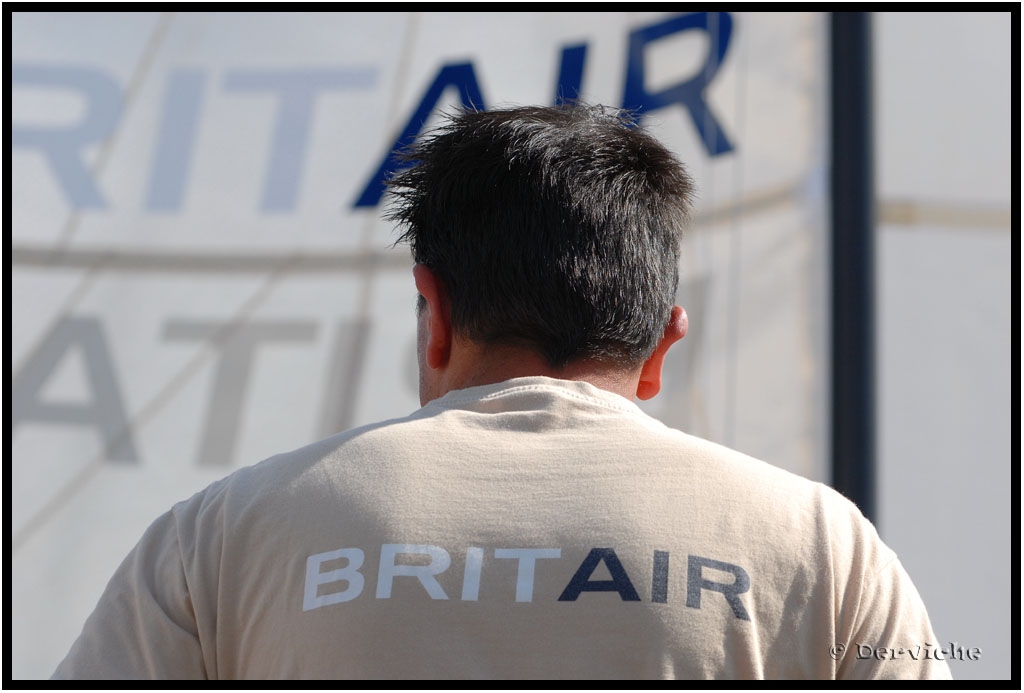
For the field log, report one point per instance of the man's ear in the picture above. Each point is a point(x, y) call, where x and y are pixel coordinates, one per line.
point(437, 317)
point(650, 373)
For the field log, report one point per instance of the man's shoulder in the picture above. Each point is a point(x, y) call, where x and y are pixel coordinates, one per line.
point(737, 478)
point(307, 469)
point(728, 465)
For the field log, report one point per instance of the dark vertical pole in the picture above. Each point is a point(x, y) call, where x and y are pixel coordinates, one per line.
point(853, 315)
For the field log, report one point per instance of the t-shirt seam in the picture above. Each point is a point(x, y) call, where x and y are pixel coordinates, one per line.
point(535, 388)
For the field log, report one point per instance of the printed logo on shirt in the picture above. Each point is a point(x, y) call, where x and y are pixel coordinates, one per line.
point(431, 561)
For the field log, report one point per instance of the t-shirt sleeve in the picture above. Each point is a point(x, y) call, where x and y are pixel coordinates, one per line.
point(143, 626)
point(888, 635)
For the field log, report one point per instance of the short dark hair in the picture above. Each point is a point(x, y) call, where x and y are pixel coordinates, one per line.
point(556, 228)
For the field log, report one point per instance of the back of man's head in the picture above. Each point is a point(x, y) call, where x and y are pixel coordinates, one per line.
point(553, 228)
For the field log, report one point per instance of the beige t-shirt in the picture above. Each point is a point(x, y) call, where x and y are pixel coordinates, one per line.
point(535, 528)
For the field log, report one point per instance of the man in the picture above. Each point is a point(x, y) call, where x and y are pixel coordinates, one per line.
point(530, 521)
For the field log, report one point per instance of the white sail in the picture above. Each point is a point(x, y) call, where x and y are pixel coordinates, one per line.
point(201, 279)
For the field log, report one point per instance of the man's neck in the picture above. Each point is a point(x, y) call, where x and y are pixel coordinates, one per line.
point(472, 365)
